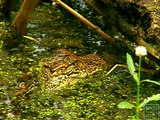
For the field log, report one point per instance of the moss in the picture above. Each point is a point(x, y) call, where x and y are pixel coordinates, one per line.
point(94, 97)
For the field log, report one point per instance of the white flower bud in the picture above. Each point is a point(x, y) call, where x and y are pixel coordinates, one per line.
point(141, 51)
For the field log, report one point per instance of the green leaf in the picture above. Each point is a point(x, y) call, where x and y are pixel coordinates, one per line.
point(135, 76)
point(149, 99)
point(130, 64)
point(151, 81)
point(131, 68)
point(125, 105)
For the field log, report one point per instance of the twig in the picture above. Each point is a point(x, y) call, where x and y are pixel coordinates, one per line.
point(85, 21)
point(125, 66)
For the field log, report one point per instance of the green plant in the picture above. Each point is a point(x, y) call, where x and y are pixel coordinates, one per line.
point(140, 51)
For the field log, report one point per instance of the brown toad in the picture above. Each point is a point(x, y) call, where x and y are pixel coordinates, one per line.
point(66, 68)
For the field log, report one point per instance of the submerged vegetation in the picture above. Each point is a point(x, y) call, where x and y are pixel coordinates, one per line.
point(23, 95)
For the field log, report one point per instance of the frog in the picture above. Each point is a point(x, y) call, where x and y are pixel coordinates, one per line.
point(65, 68)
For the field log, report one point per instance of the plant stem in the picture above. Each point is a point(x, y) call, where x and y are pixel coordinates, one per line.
point(138, 90)
point(139, 71)
point(137, 102)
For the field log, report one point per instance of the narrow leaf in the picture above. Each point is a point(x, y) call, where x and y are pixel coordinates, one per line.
point(149, 99)
point(151, 81)
point(125, 105)
point(135, 76)
point(130, 64)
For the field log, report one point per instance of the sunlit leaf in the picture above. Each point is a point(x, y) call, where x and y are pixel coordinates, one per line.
point(125, 105)
point(130, 64)
point(149, 99)
point(131, 68)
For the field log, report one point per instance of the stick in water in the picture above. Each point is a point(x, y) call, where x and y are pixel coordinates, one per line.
point(85, 21)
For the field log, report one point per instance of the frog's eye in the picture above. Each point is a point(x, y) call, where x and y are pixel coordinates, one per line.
point(22, 85)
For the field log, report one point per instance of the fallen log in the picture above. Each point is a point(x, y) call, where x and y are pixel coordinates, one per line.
point(142, 26)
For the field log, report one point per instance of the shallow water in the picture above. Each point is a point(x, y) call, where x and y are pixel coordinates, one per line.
point(95, 97)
